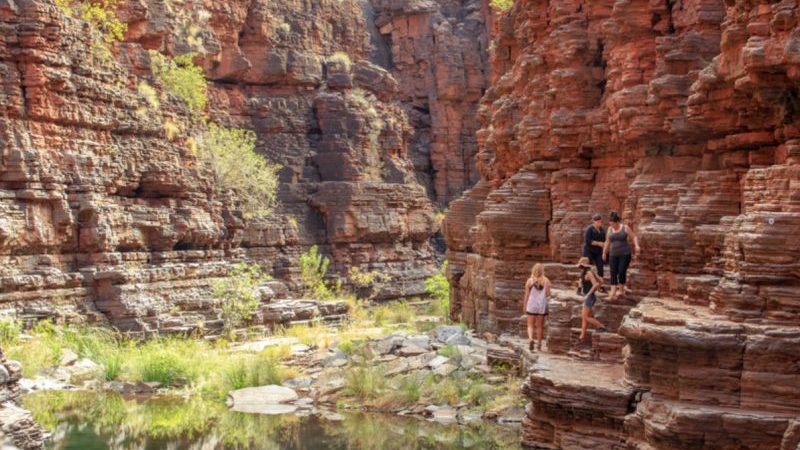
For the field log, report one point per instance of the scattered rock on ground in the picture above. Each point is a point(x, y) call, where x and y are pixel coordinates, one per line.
point(269, 399)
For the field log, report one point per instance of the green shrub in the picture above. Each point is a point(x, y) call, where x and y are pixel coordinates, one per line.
point(313, 267)
point(340, 58)
point(181, 77)
point(165, 364)
point(502, 5)
point(449, 351)
point(438, 288)
point(100, 14)
point(238, 293)
point(364, 382)
point(367, 284)
point(401, 312)
point(238, 168)
point(264, 369)
point(112, 368)
point(10, 330)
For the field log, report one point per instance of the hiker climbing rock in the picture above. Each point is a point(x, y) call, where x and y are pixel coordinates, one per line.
point(588, 284)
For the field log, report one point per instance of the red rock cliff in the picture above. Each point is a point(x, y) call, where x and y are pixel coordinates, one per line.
point(683, 115)
point(107, 216)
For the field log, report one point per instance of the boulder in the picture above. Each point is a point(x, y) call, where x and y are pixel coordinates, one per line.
point(271, 399)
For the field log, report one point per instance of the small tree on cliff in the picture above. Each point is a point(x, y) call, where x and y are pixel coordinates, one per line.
point(239, 168)
point(238, 293)
point(313, 267)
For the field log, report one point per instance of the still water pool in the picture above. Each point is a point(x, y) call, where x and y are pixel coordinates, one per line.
point(93, 421)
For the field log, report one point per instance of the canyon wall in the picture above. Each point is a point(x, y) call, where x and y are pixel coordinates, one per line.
point(683, 116)
point(107, 213)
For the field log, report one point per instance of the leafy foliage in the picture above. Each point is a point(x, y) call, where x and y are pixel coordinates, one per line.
point(254, 180)
point(438, 288)
point(181, 77)
point(313, 267)
point(10, 330)
point(101, 15)
point(502, 5)
point(237, 293)
point(367, 284)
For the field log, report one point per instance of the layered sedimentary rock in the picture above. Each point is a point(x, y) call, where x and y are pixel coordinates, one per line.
point(17, 427)
point(438, 53)
point(683, 117)
point(108, 214)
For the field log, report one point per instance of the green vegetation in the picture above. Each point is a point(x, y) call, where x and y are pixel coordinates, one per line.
point(201, 367)
point(340, 58)
point(502, 5)
point(101, 16)
point(181, 77)
point(438, 288)
point(370, 387)
point(239, 168)
point(238, 293)
point(367, 284)
point(313, 267)
point(149, 94)
point(263, 369)
point(396, 312)
point(10, 330)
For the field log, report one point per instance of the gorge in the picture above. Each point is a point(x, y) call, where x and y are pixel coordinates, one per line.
point(680, 114)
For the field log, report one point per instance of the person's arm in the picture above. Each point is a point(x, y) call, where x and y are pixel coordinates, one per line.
point(595, 284)
point(547, 290)
point(587, 237)
point(600, 244)
point(635, 240)
point(606, 244)
point(525, 299)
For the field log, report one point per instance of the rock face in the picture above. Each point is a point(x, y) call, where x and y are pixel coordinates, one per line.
point(437, 53)
point(16, 424)
point(682, 116)
point(106, 213)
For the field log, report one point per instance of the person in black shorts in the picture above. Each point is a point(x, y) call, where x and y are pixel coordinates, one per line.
point(588, 283)
point(594, 238)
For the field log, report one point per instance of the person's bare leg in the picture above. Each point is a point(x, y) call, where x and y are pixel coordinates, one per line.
point(530, 331)
point(613, 295)
point(539, 330)
point(621, 291)
point(584, 322)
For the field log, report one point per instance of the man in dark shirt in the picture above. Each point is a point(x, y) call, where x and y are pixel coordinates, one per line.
point(593, 239)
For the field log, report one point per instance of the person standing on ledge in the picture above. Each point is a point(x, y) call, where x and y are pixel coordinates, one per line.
point(537, 295)
point(588, 284)
point(594, 238)
point(618, 253)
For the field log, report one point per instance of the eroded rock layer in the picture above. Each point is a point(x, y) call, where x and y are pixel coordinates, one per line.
point(17, 427)
point(682, 115)
point(107, 213)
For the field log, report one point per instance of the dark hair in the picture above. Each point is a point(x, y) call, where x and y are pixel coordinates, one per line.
point(596, 216)
point(614, 216)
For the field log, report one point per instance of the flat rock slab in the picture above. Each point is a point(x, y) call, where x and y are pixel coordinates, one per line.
point(579, 385)
point(262, 399)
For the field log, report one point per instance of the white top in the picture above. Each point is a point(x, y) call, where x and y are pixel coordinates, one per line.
point(537, 302)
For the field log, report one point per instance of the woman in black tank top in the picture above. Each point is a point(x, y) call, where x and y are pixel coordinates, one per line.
point(619, 253)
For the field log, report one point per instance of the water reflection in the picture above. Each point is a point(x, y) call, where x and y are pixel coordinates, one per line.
point(91, 421)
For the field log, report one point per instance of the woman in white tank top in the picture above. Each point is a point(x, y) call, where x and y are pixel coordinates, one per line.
point(537, 295)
